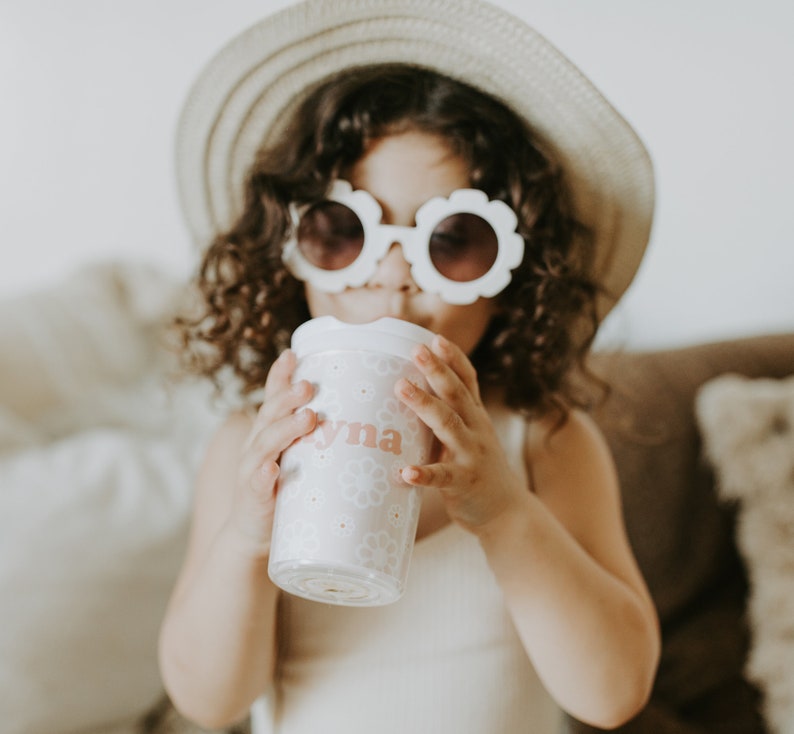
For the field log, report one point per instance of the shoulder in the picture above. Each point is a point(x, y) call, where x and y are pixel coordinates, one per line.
point(549, 441)
point(573, 472)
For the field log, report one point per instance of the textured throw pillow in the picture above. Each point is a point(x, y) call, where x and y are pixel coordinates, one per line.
point(93, 328)
point(747, 427)
point(97, 458)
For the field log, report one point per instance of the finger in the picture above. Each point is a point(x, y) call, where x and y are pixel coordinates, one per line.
point(281, 396)
point(269, 442)
point(262, 483)
point(280, 375)
point(438, 476)
point(459, 362)
point(283, 403)
point(445, 422)
point(253, 512)
point(447, 384)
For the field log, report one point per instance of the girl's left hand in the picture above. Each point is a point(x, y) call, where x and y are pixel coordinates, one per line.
point(472, 472)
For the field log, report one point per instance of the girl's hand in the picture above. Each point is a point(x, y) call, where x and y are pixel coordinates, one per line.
point(472, 472)
point(277, 424)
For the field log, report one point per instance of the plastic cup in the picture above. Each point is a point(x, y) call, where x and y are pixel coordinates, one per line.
point(345, 521)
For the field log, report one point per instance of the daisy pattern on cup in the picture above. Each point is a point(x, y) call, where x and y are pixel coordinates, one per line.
point(337, 366)
point(364, 483)
point(314, 499)
point(299, 539)
point(397, 515)
point(343, 525)
point(380, 552)
point(322, 458)
point(382, 364)
point(364, 392)
point(395, 412)
point(395, 473)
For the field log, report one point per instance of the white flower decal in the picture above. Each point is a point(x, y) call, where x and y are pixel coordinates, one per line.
point(382, 364)
point(337, 366)
point(364, 483)
point(299, 539)
point(343, 525)
point(314, 499)
point(364, 392)
point(379, 551)
point(322, 458)
point(395, 412)
point(395, 476)
point(396, 516)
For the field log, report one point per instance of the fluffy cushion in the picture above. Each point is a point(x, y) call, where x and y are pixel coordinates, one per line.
point(94, 328)
point(97, 456)
point(748, 435)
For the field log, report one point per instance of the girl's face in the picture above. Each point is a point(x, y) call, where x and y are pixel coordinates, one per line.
point(402, 172)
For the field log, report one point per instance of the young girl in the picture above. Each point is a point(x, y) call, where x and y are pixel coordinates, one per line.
point(523, 597)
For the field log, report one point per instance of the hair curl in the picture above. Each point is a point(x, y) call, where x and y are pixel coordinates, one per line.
point(250, 304)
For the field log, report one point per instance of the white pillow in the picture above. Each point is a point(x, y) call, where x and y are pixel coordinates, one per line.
point(97, 460)
point(92, 531)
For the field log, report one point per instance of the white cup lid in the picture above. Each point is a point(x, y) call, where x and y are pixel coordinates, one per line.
point(387, 335)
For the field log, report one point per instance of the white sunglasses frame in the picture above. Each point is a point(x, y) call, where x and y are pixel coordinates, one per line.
point(379, 237)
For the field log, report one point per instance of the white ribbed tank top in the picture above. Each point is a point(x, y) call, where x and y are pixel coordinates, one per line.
point(444, 658)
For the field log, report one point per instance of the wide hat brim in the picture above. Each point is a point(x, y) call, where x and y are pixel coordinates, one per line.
point(245, 93)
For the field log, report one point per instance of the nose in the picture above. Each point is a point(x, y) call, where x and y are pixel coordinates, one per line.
point(394, 271)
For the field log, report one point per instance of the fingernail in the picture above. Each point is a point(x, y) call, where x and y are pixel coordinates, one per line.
point(442, 342)
point(299, 388)
point(410, 474)
point(407, 388)
point(422, 354)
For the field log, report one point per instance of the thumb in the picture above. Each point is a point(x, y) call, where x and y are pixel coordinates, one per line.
point(255, 505)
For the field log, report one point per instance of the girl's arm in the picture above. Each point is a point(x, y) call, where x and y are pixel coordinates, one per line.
point(217, 642)
point(560, 553)
point(570, 580)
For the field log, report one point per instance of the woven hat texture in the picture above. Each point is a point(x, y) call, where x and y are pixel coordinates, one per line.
point(244, 94)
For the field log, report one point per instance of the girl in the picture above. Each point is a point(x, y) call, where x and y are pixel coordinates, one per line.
point(524, 598)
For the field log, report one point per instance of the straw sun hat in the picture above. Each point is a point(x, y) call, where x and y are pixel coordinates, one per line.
point(248, 88)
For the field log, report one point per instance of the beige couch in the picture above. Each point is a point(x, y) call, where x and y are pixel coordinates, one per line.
point(97, 452)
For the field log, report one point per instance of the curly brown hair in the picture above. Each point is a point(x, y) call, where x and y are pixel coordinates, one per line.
point(250, 304)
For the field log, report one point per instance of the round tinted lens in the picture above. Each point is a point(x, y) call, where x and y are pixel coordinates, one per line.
point(330, 235)
point(463, 247)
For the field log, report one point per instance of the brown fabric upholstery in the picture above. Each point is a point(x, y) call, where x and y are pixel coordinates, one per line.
point(682, 537)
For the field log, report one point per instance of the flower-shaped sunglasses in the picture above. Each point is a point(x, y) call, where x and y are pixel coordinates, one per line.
point(462, 247)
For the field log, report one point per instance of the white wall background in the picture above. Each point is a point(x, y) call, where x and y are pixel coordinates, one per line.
point(90, 91)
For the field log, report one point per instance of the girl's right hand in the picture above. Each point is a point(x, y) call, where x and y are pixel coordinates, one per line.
point(277, 424)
